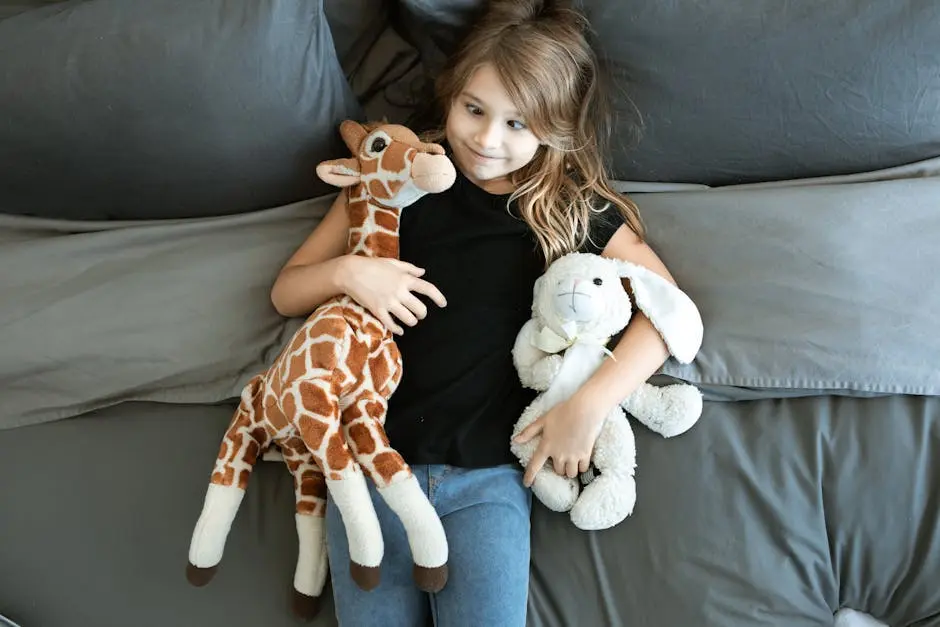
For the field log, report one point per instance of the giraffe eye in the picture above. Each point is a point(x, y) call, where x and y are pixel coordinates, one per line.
point(378, 144)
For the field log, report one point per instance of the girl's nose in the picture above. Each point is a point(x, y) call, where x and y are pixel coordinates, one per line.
point(488, 136)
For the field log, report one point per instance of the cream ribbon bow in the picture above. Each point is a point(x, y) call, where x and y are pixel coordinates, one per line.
point(550, 342)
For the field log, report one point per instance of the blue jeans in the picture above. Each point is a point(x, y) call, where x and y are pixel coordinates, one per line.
point(485, 512)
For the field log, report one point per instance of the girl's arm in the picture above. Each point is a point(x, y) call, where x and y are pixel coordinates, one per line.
point(320, 270)
point(570, 429)
point(641, 351)
point(314, 272)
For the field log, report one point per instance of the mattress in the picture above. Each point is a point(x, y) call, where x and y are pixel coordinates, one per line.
point(769, 512)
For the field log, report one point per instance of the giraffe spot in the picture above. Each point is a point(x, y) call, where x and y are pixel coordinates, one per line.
point(275, 423)
point(376, 190)
point(290, 406)
point(362, 440)
point(386, 465)
point(251, 452)
point(259, 435)
point(228, 478)
point(393, 159)
point(355, 240)
point(312, 484)
point(313, 432)
point(324, 351)
point(386, 219)
point(243, 479)
point(317, 401)
point(358, 213)
point(335, 476)
point(337, 455)
point(306, 508)
point(379, 368)
point(368, 166)
point(298, 365)
point(223, 451)
point(356, 358)
point(238, 441)
point(383, 245)
point(354, 317)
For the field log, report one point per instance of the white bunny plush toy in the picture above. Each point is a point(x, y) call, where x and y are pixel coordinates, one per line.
point(579, 304)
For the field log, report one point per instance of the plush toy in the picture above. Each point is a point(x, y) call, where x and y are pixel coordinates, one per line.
point(323, 400)
point(579, 304)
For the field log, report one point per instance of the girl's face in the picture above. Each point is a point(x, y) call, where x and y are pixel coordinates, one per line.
point(488, 137)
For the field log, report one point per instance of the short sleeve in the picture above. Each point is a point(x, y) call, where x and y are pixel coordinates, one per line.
point(602, 227)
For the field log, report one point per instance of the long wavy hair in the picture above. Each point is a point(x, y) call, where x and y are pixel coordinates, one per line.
point(540, 51)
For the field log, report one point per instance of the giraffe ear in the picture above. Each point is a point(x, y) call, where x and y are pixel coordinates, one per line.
point(352, 133)
point(339, 172)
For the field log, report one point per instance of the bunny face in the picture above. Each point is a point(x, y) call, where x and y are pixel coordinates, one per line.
point(581, 295)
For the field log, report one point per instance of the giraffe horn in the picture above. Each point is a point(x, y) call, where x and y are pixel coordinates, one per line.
point(352, 133)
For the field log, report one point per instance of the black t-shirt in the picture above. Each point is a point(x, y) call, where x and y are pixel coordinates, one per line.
point(460, 395)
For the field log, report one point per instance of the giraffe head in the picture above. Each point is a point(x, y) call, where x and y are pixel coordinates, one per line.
point(390, 166)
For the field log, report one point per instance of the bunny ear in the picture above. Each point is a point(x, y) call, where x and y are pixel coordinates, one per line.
point(670, 310)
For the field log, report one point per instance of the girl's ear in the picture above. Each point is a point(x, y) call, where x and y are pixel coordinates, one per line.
point(670, 310)
point(339, 172)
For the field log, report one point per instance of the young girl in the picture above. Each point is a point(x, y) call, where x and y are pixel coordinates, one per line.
point(522, 125)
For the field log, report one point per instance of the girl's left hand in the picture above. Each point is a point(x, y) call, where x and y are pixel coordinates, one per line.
point(569, 431)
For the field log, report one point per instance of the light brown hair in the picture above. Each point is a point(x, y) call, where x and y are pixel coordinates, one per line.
point(540, 51)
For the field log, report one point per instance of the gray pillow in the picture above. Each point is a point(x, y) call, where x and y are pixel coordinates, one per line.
point(807, 289)
point(766, 90)
point(171, 310)
point(133, 109)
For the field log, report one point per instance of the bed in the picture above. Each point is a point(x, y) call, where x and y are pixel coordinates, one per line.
point(157, 172)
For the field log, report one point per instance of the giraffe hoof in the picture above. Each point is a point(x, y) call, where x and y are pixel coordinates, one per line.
point(430, 579)
point(200, 576)
point(366, 577)
point(306, 607)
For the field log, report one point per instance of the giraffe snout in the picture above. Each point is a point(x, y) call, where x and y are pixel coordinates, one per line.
point(433, 173)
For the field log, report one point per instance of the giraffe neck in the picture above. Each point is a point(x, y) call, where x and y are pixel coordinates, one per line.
point(373, 229)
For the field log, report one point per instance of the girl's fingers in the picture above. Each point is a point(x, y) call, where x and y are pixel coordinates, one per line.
point(415, 306)
point(401, 312)
point(423, 287)
point(389, 323)
point(571, 469)
point(408, 267)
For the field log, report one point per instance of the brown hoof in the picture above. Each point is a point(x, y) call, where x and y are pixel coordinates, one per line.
point(305, 607)
point(430, 579)
point(200, 576)
point(366, 577)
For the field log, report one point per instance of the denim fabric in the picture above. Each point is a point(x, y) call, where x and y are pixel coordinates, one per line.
point(485, 512)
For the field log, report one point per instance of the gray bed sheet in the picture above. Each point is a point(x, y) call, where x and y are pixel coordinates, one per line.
point(769, 512)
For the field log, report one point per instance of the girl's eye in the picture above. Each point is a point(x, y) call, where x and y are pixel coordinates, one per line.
point(516, 125)
point(473, 109)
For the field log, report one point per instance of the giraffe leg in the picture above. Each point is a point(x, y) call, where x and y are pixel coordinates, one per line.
point(238, 453)
point(397, 485)
point(310, 494)
point(318, 423)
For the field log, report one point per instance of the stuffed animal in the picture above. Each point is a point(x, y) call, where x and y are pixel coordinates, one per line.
point(579, 304)
point(323, 400)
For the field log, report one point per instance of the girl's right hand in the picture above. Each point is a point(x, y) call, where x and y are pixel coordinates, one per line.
point(387, 287)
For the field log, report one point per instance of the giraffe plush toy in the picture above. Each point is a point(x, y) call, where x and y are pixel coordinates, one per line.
point(323, 400)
